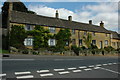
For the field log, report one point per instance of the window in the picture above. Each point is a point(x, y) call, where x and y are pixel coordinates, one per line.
point(73, 31)
point(106, 35)
point(74, 42)
point(28, 27)
point(111, 36)
point(52, 29)
point(93, 33)
point(113, 43)
point(80, 42)
point(51, 42)
point(85, 32)
point(67, 43)
point(94, 42)
point(106, 42)
point(28, 42)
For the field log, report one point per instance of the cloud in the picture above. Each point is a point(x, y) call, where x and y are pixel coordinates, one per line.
point(64, 0)
point(106, 12)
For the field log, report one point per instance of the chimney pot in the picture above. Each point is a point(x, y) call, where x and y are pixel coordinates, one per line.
point(102, 24)
point(90, 21)
point(57, 14)
point(70, 18)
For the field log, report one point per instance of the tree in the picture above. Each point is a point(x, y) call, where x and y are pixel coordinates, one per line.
point(87, 40)
point(62, 37)
point(17, 36)
point(40, 36)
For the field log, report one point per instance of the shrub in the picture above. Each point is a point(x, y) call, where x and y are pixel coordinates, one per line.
point(35, 53)
point(25, 51)
point(109, 49)
point(75, 49)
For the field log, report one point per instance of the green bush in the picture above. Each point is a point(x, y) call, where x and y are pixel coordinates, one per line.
point(75, 49)
point(25, 51)
point(35, 53)
point(109, 49)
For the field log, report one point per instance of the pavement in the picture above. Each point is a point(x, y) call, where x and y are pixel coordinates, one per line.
point(35, 66)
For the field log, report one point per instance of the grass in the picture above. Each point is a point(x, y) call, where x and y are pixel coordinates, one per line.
point(4, 51)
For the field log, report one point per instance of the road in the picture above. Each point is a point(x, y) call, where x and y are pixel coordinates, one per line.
point(34, 66)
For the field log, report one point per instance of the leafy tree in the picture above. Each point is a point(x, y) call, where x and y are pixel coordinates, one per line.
point(87, 40)
point(75, 49)
point(62, 37)
point(17, 36)
point(41, 37)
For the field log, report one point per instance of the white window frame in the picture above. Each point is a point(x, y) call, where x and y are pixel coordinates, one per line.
point(106, 42)
point(52, 29)
point(51, 42)
point(28, 42)
point(30, 27)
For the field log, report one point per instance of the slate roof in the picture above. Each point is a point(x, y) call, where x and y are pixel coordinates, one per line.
point(27, 18)
point(115, 35)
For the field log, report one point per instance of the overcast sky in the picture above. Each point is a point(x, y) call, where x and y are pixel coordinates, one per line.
point(79, 10)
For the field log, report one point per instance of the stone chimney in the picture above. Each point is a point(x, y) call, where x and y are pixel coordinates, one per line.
point(90, 22)
point(57, 14)
point(102, 24)
point(70, 18)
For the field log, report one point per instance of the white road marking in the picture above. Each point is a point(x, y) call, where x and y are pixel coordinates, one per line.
point(96, 67)
point(110, 70)
point(83, 67)
point(18, 73)
point(99, 65)
point(2, 75)
point(23, 77)
point(91, 66)
point(88, 69)
point(43, 71)
point(109, 63)
point(17, 59)
point(76, 70)
point(59, 69)
point(105, 64)
point(114, 63)
point(72, 68)
point(65, 72)
point(49, 74)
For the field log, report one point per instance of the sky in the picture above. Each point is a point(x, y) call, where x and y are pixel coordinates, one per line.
point(80, 11)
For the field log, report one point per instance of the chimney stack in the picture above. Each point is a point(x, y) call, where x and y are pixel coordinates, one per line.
point(57, 14)
point(102, 24)
point(90, 22)
point(70, 18)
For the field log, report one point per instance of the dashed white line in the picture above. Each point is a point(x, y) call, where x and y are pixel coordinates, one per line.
point(65, 72)
point(49, 74)
point(23, 77)
point(96, 67)
point(83, 67)
point(43, 71)
point(71, 68)
point(76, 70)
point(114, 63)
point(99, 65)
point(91, 66)
point(17, 73)
point(2, 75)
point(59, 69)
point(105, 64)
point(109, 63)
point(88, 69)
